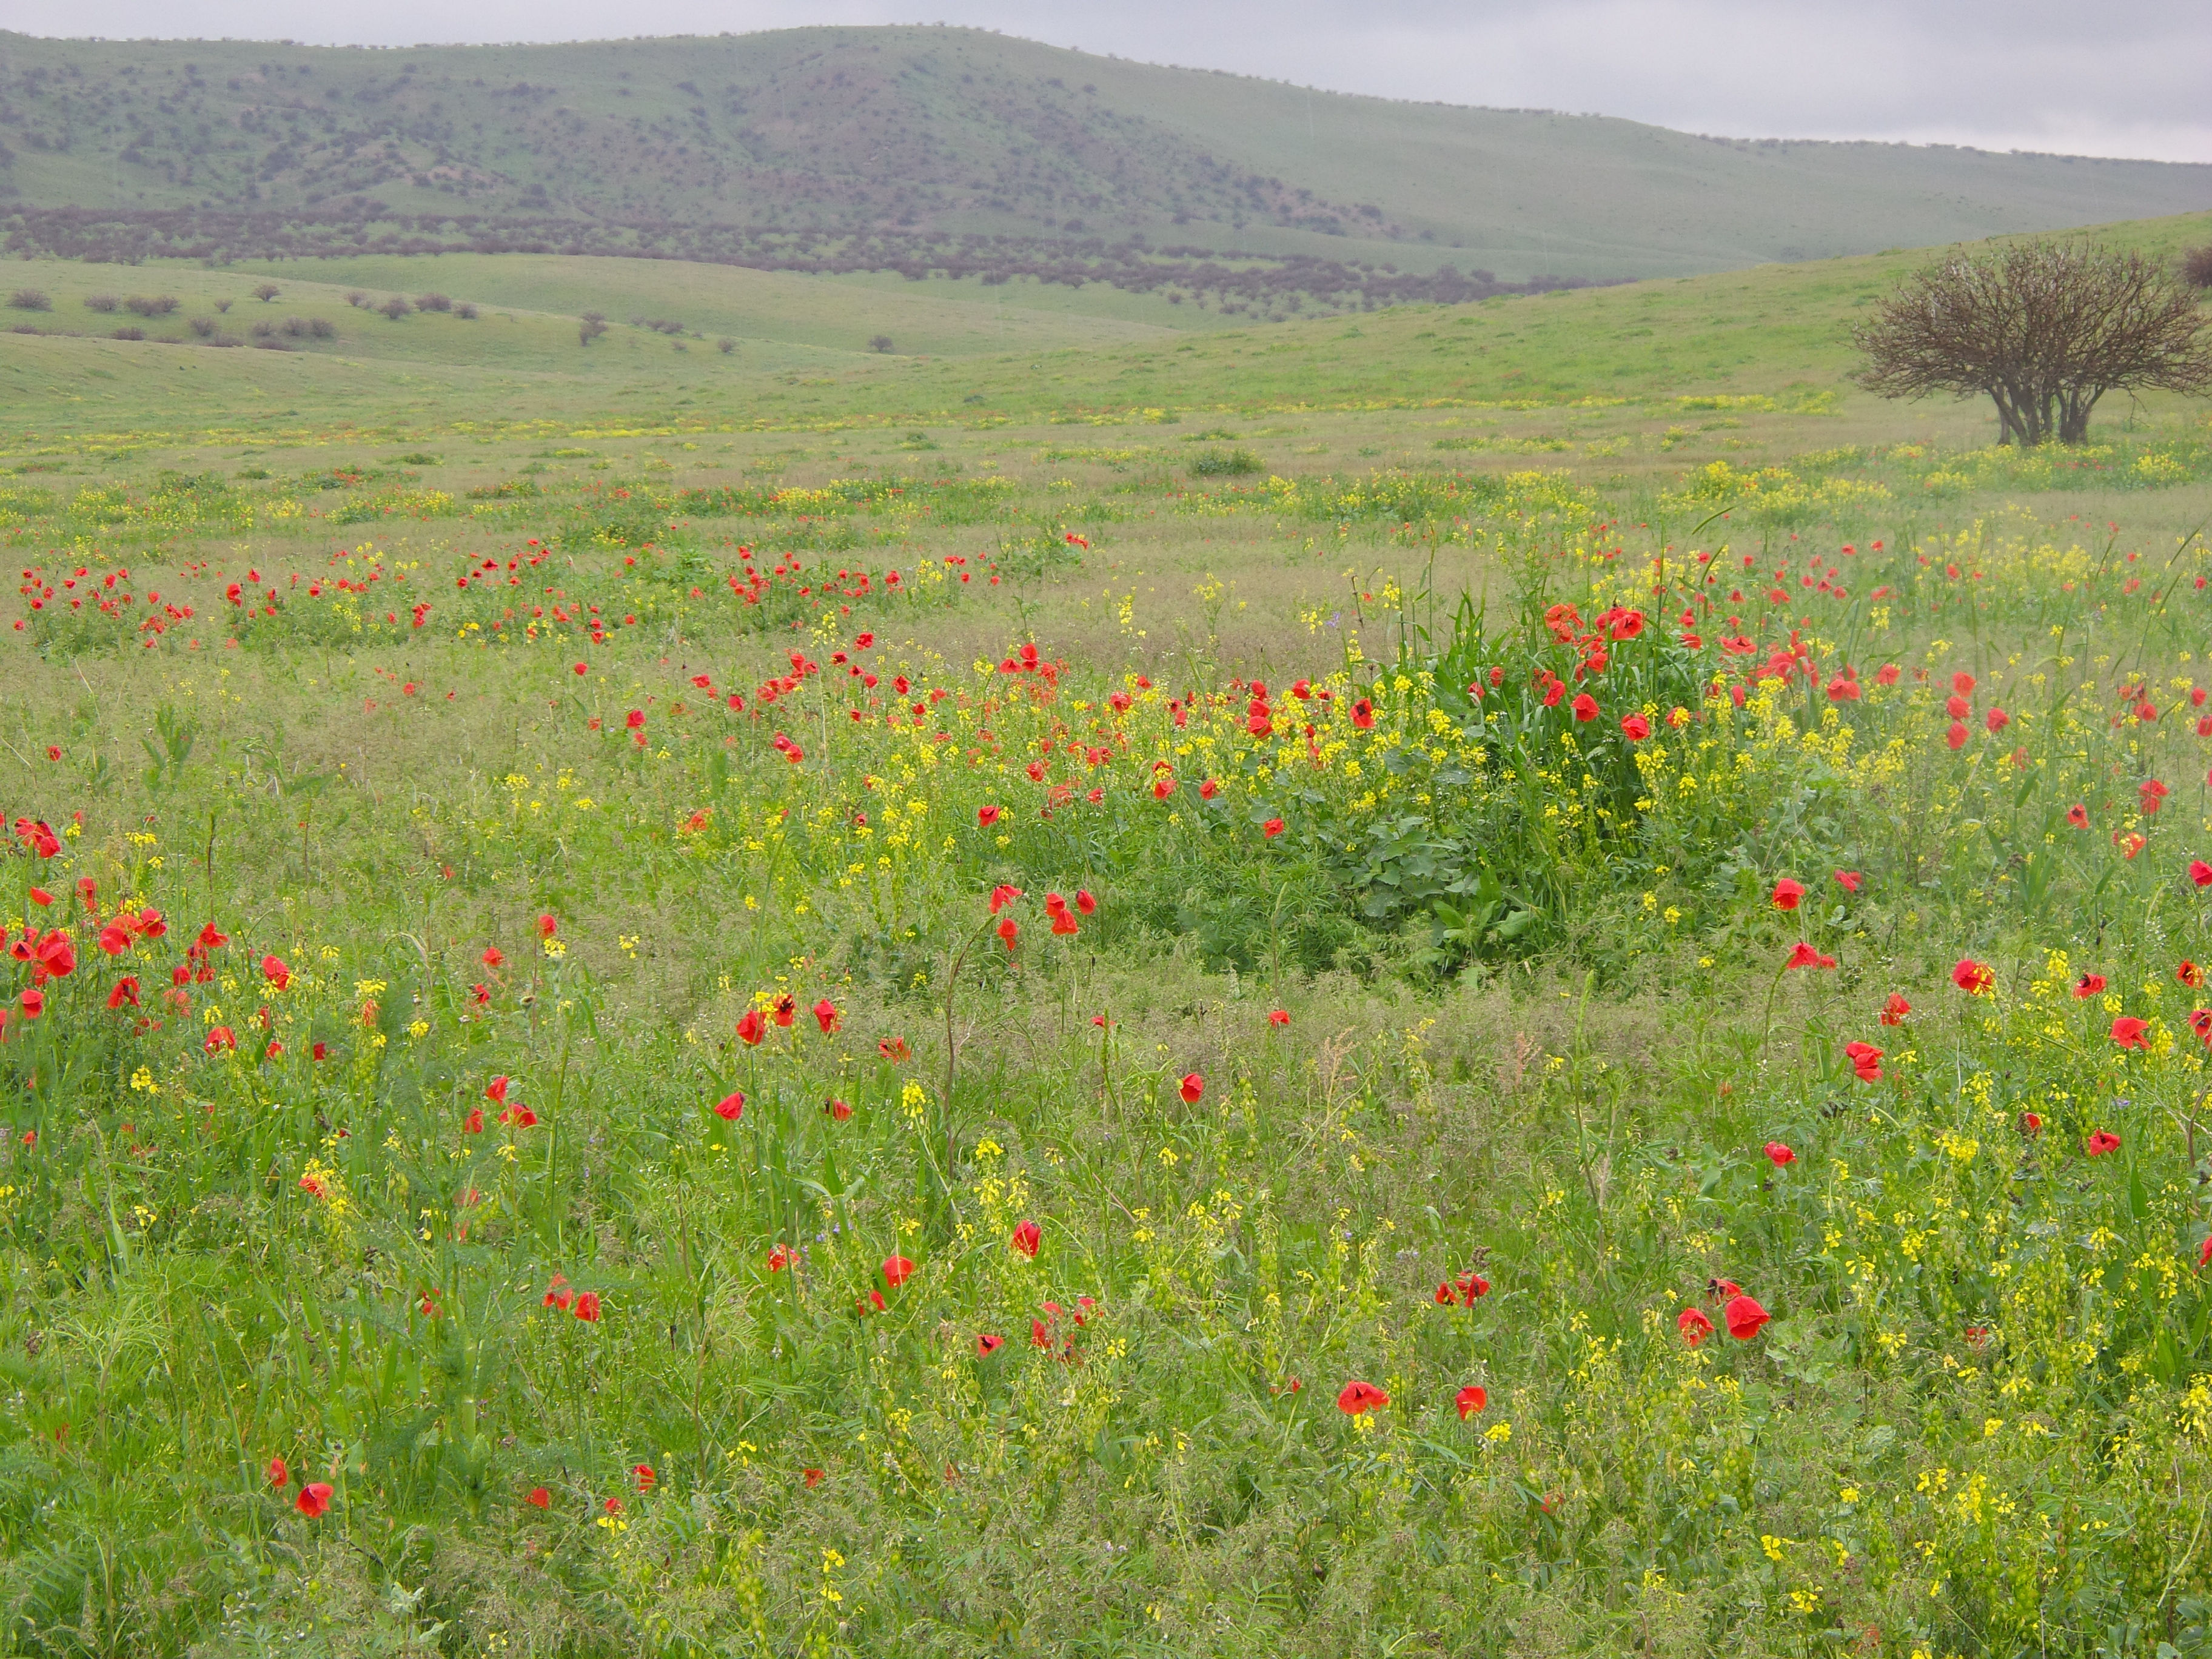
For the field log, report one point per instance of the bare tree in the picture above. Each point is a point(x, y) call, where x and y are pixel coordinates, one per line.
point(2043, 329)
point(594, 324)
point(266, 292)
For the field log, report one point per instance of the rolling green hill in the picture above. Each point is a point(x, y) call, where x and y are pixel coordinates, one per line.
point(925, 151)
point(799, 352)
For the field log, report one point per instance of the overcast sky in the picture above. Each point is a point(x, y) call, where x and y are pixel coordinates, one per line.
point(2107, 77)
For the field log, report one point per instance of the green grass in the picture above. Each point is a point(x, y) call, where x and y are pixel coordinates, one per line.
point(1780, 332)
point(1539, 1026)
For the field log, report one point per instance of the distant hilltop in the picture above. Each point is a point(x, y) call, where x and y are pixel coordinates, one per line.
point(951, 152)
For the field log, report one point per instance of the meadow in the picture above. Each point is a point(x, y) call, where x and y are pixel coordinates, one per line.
point(1459, 980)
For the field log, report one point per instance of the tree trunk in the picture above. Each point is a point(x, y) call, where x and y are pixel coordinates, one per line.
point(2073, 416)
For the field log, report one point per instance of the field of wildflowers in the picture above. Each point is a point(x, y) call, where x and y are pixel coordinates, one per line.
point(585, 1074)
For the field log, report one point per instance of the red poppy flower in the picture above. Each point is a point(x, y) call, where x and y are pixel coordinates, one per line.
point(1788, 894)
point(2150, 794)
point(587, 1306)
point(495, 1092)
point(126, 990)
point(1895, 1011)
point(1866, 1060)
point(1996, 719)
point(219, 1040)
point(1026, 1238)
point(1744, 1317)
point(1585, 706)
point(896, 1271)
point(2031, 1124)
point(2078, 815)
point(1778, 1154)
point(1470, 1285)
point(893, 1048)
point(273, 970)
point(1972, 977)
point(1008, 931)
point(1635, 727)
point(473, 1123)
point(321, 1051)
point(838, 1110)
point(1445, 1296)
point(1804, 956)
point(645, 1476)
point(547, 927)
point(1001, 896)
point(33, 1003)
point(812, 1477)
point(41, 897)
point(1363, 714)
point(1192, 1087)
point(1084, 902)
point(987, 1345)
point(826, 1016)
point(538, 1498)
point(1271, 827)
point(1359, 1397)
point(1279, 1017)
point(519, 1115)
point(2131, 1033)
point(2200, 1022)
point(314, 1499)
point(2103, 1142)
point(1470, 1400)
point(751, 1027)
point(731, 1106)
point(2191, 974)
point(1956, 737)
point(113, 938)
point(987, 816)
point(2200, 872)
point(278, 1474)
point(2089, 986)
point(1693, 1325)
point(56, 957)
point(1849, 880)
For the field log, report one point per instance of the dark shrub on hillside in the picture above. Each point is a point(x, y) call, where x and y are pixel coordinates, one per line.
point(2196, 267)
point(130, 333)
point(102, 303)
point(30, 298)
point(433, 302)
point(395, 308)
point(150, 306)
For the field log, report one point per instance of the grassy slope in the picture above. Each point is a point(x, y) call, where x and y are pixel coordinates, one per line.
point(963, 129)
point(1780, 329)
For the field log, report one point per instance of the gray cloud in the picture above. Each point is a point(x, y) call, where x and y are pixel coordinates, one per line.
point(2126, 77)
